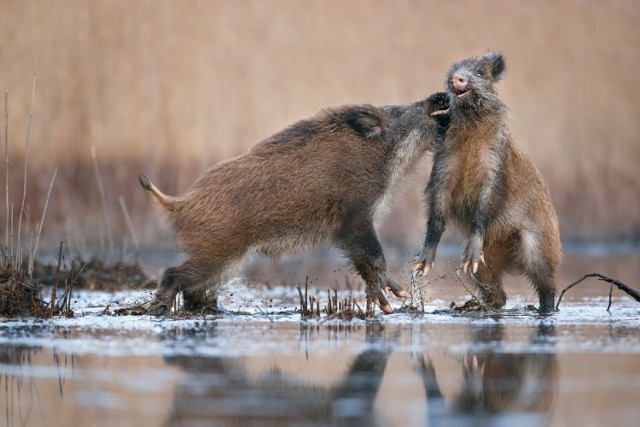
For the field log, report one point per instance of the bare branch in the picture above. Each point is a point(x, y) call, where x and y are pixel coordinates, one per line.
point(635, 294)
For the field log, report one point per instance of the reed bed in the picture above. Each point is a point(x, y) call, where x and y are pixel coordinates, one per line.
point(169, 89)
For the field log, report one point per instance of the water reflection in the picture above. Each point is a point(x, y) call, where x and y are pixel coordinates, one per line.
point(220, 391)
point(19, 386)
point(21, 374)
point(284, 373)
point(497, 386)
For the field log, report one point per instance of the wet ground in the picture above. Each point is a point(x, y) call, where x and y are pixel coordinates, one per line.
point(261, 364)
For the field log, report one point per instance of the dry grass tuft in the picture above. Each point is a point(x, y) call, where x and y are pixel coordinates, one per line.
point(20, 295)
point(345, 309)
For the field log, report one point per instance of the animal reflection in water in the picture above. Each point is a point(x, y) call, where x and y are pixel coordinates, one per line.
point(219, 391)
point(496, 384)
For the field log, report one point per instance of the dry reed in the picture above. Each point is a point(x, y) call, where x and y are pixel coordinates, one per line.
point(26, 163)
point(6, 171)
point(171, 90)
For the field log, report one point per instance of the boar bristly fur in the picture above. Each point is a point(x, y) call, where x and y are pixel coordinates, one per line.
point(326, 180)
point(491, 191)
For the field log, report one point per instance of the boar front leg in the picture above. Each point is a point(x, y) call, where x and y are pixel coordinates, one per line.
point(363, 249)
point(435, 222)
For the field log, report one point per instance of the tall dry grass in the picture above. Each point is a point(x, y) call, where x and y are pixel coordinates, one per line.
point(170, 87)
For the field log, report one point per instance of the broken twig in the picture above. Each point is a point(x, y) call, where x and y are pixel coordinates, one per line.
point(633, 293)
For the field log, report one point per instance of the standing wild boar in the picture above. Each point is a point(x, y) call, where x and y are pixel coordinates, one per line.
point(489, 189)
point(324, 180)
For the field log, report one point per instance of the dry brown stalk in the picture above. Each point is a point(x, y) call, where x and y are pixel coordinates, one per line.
point(54, 290)
point(12, 239)
point(6, 168)
point(303, 303)
point(32, 256)
point(26, 158)
point(125, 212)
point(105, 210)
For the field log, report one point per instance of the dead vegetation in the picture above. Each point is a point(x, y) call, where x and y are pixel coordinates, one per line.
point(19, 294)
point(633, 293)
point(215, 78)
point(165, 67)
point(348, 308)
point(96, 274)
point(343, 309)
point(22, 276)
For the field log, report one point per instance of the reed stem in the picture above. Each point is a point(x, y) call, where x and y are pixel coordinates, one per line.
point(32, 257)
point(26, 158)
point(103, 198)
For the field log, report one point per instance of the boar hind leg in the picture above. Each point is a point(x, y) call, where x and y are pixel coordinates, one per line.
point(195, 299)
point(537, 264)
point(543, 281)
point(187, 277)
point(365, 253)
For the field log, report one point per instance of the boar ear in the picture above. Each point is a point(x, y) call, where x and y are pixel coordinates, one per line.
point(494, 64)
point(364, 121)
point(438, 104)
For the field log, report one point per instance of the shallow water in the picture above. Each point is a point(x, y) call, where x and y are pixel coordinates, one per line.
point(580, 366)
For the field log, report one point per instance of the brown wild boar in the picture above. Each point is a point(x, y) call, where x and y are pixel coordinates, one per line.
point(490, 190)
point(326, 180)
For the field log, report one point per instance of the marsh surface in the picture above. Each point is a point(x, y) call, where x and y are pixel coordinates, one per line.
point(261, 364)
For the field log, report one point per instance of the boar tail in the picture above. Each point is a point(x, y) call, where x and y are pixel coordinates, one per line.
point(167, 201)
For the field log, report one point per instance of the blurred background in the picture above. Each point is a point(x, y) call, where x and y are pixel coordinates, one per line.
point(169, 88)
